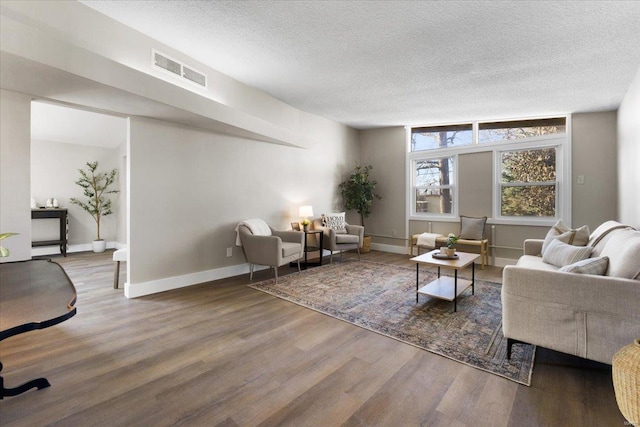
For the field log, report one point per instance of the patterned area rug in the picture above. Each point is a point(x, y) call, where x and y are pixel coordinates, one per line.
point(382, 298)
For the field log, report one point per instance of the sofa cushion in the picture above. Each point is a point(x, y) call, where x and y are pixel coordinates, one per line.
point(560, 254)
point(623, 249)
point(472, 228)
point(347, 238)
point(596, 266)
point(289, 249)
point(335, 221)
point(576, 237)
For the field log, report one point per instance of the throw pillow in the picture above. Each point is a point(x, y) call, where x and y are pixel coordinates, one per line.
point(560, 254)
point(597, 266)
point(472, 228)
point(335, 221)
point(577, 237)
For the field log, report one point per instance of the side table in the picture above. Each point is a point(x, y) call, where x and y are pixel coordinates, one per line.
point(62, 216)
point(307, 248)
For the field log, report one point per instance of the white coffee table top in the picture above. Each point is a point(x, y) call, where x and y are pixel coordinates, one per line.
point(464, 259)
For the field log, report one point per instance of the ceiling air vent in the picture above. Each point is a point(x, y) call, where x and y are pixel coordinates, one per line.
point(194, 76)
point(177, 69)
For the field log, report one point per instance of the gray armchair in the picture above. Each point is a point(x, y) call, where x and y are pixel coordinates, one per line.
point(340, 242)
point(264, 245)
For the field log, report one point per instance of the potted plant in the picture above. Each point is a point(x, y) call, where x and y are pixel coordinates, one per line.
point(358, 192)
point(449, 248)
point(95, 186)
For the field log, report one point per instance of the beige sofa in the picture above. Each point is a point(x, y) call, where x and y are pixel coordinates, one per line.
point(590, 316)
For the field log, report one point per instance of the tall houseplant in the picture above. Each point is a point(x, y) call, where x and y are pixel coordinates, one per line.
point(358, 192)
point(95, 186)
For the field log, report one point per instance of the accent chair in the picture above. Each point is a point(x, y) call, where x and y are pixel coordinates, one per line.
point(263, 245)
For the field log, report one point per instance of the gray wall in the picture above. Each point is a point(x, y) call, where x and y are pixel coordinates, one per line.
point(384, 149)
point(190, 188)
point(593, 155)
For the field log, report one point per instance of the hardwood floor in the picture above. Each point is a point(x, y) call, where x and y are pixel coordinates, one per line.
point(223, 354)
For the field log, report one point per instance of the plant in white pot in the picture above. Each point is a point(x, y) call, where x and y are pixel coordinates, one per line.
point(358, 193)
point(96, 188)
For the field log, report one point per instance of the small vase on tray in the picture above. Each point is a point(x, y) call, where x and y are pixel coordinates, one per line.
point(445, 251)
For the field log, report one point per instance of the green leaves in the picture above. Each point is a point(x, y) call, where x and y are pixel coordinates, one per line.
point(95, 186)
point(358, 191)
point(4, 251)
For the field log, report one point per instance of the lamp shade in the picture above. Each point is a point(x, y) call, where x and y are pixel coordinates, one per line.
point(305, 211)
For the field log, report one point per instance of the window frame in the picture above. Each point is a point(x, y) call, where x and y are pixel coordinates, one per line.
point(562, 142)
point(453, 185)
point(560, 196)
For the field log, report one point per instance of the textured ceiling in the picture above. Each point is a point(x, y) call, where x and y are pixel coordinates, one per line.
point(380, 63)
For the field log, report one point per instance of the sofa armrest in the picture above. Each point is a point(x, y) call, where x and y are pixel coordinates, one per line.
point(357, 230)
point(533, 246)
point(262, 250)
point(290, 236)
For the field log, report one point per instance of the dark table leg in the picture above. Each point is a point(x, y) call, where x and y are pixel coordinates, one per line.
point(39, 383)
point(455, 290)
point(473, 278)
point(417, 280)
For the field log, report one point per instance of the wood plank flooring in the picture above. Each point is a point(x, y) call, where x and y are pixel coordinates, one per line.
point(223, 354)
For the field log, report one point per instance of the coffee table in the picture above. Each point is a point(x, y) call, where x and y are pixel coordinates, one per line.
point(446, 287)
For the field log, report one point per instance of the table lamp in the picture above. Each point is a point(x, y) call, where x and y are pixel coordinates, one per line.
point(305, 212)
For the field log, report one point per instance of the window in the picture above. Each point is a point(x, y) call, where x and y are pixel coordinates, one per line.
point(433, 185)
point(521, 129)
point(531, 168)
point(528, 184)
point(435, 137)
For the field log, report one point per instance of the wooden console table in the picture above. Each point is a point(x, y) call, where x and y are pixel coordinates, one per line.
point(62, 216)
point(34, 294)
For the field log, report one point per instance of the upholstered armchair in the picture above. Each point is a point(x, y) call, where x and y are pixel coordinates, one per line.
point(335, 239)
point(263, 245)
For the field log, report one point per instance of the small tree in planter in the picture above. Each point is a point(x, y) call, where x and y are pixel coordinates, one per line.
point(95, 186)
point(358, 193)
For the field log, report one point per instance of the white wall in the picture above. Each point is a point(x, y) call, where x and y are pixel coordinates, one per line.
point(15, 208)
point(629, 156)
point(190, 188)
point(54, 170)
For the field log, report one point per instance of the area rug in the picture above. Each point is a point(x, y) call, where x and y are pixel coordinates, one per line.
point(382, 298)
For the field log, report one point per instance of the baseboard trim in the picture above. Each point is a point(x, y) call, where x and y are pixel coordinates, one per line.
point(395, 249)
point(135, 290)
point(84, 247)
point(503, 262)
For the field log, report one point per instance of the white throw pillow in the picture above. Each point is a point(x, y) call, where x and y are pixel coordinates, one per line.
point(335, 221)
point(560, 254)
point(575, 237)
point(596, 266)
